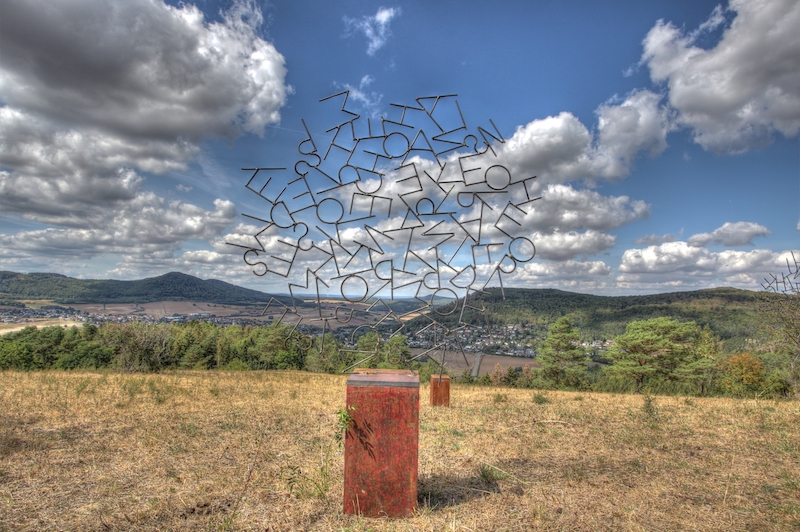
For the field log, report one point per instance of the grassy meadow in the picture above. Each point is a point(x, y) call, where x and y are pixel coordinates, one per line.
point(259, 451)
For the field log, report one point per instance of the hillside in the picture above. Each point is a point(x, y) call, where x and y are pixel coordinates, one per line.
point(168, 287)
point(729, 312)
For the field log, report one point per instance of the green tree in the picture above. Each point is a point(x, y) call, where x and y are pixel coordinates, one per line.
point(561, 356)
point(325, 355)
point(700, 365)
point(651, 349)
point(138, 346)
point(393, 352)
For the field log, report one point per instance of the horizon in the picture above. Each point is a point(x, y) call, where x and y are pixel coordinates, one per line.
point(312, 295)
point(663, 136)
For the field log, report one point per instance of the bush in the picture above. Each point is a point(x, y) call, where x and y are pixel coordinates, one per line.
point(235, 365)
point(87, 355)
point(743, 375)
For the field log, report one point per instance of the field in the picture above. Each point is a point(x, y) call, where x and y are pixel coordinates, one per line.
point(14, 327)
point(160, 309)
point(258, 451)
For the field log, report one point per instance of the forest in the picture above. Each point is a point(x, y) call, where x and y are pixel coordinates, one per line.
point(729, 312)
point(658, 355)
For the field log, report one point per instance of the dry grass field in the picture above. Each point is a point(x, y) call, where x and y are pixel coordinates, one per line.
point(257, 451)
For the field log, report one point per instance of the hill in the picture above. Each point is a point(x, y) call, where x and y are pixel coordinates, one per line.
point(168, 287)
point(729, 312)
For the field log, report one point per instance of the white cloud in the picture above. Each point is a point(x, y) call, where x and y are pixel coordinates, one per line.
point(560, 246)
point(141, 69)
point(737, 94)
point(678, 265)
point(147, 227)
point(375, 28)
point(560, 148)
point(94, 94)
point(566, 208)
point(730, 234)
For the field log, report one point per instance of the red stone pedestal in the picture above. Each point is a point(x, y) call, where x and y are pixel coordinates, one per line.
point(440, 390)
point(381, 444)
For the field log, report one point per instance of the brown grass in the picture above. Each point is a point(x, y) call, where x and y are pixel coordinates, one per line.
point(256, 451)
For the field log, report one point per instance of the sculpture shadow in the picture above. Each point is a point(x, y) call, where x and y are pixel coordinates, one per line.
point(443, 491)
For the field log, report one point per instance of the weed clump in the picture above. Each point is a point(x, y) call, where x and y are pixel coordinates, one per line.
point(650, 409)
point(540, 399)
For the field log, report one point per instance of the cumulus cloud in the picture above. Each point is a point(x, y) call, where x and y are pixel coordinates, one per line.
point(560, 148)
point(560, 246)
point(730, 234)
point(140, 69)
point(566, 208)
point(736, 95)
point(375, 27)
point(581, 276)
point(96, 94)
point(146, 227)
point(679, 265)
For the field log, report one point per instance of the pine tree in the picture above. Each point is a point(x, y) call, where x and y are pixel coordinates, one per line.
point(561, 356)
point(700, 366)
point(653, 348)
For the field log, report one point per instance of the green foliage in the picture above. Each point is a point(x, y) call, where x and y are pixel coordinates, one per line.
point(235, 365)
point(540, 399)
point(491, 474)
point(730, 313)
point(327, 356)
point(659, 356)
point(138, 347)
point(699, 368)
point(561, 357)
point(650, 409)
point(343, 421)
point(651, 350)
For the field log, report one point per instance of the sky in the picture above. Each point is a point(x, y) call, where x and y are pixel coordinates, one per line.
point(661, 138)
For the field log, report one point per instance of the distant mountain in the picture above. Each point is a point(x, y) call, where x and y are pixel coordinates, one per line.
point(168, 287)
point(730, 312)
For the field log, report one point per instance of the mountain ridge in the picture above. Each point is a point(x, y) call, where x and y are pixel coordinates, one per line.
point(174, 286)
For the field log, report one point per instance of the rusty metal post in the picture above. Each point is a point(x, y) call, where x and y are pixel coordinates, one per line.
point(381, 444)
point(440, 390)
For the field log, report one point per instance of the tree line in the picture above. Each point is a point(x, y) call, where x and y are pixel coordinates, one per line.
point(658, 355)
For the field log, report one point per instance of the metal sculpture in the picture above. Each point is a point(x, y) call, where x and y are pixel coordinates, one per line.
point(414, 205)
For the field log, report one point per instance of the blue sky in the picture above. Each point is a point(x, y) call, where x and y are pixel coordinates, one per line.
point(664, 135)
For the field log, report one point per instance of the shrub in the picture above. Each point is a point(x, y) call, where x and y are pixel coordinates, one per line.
point(743, 374)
